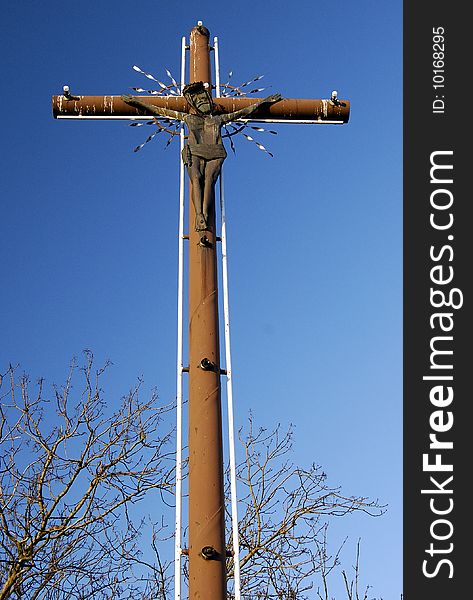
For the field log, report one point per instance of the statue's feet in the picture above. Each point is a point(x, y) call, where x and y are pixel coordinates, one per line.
point(200, 222)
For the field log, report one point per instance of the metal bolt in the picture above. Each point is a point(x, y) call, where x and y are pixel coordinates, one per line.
point(204, 242)
point(207, 365)
point(209, 553)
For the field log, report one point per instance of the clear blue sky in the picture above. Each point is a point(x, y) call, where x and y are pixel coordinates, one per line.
point(88, 229)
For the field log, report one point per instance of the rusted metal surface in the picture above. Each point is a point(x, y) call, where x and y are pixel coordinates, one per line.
point(289, 108)
point(109, 106)
point(207, 579)
point(199, 55)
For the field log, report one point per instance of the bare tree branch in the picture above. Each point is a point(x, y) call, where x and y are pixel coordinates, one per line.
point(284, 515)
point(68, 471)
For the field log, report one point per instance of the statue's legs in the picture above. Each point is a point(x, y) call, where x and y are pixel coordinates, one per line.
point(212, 171)
point(196, 171)
point(203, 175)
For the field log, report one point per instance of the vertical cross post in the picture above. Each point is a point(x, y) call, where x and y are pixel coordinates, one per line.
point(207, 578)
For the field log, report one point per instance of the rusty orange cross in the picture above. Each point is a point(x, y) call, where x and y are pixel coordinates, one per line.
point(207, 548)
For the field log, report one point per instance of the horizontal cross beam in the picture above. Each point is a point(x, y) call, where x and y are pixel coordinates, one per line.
point(285, 110)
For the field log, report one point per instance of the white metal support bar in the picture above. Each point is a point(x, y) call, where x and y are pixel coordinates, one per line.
point(179, 371)
point(228, 364)
point(146, 118)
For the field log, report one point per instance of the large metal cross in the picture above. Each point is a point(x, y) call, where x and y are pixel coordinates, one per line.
point(207, 548)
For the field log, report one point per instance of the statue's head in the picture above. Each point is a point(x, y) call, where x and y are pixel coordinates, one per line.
point(199, 96)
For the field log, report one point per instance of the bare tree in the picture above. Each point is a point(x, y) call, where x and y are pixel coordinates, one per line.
point(284, 515)
point(69, 472)
point(284, 518)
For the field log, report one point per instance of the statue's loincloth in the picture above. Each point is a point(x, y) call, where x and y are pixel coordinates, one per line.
point(205, 151)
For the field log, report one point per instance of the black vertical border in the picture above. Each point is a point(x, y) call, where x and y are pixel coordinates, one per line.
point(426, 132)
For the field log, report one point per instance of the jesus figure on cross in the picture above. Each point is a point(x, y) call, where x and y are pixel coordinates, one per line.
point(204, 152)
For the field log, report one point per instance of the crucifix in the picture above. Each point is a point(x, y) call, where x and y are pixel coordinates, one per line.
point(203, 155)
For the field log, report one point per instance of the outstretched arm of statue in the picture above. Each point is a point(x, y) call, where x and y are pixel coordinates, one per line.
point(155, 110)
point(244, 112)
